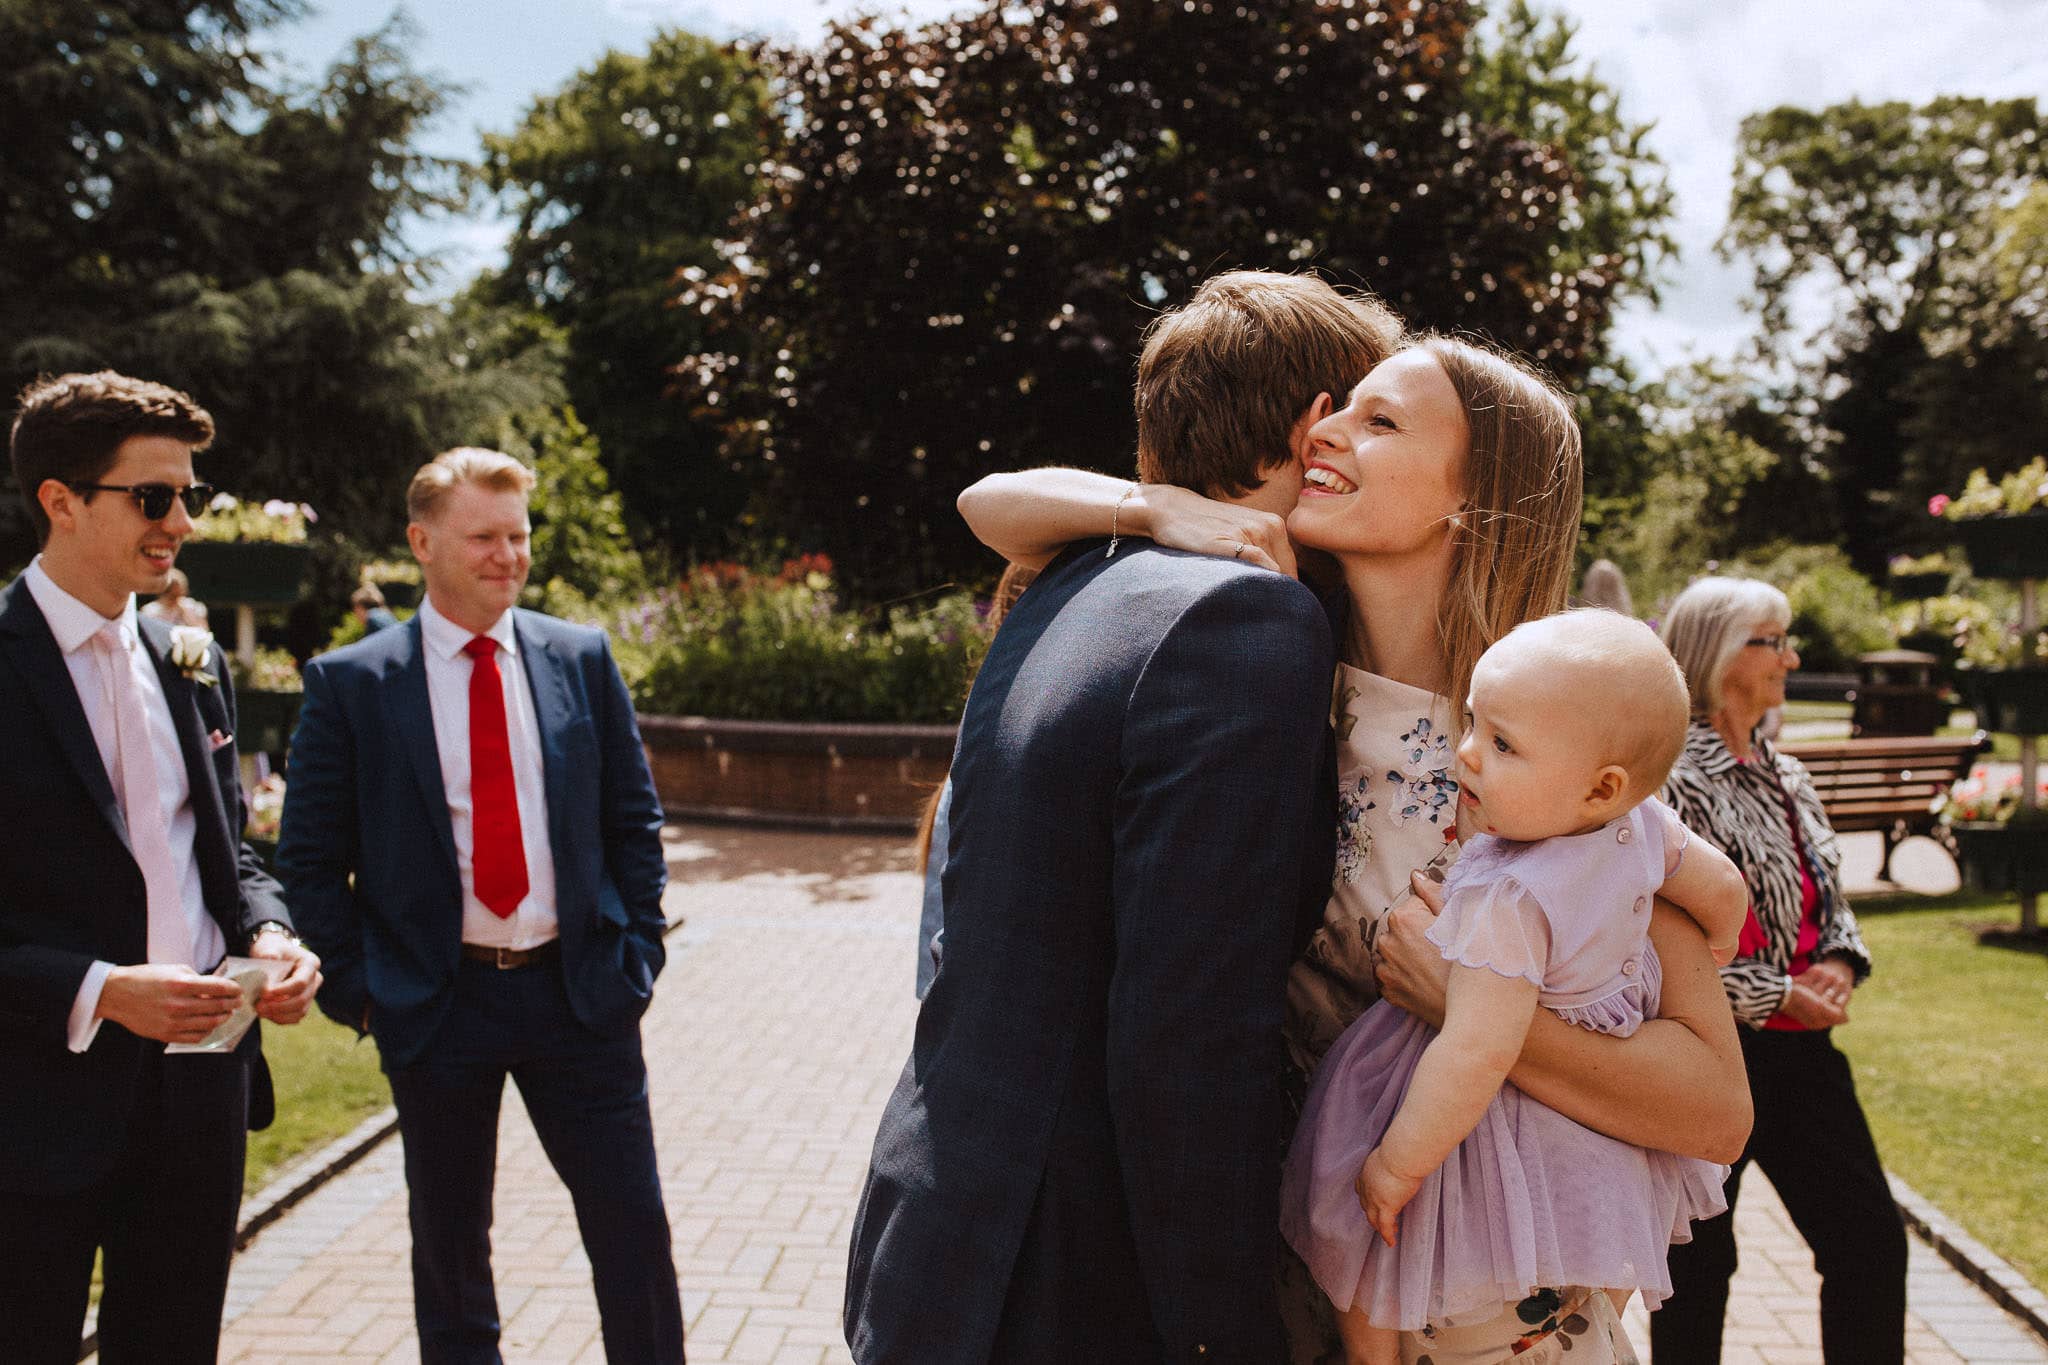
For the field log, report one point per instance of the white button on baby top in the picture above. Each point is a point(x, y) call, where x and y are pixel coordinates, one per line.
point(1628, 968)
point(1624, 834)
point(1642, 904)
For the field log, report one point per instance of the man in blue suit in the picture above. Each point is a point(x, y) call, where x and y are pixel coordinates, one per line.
point(472, 839)
point(1081, 1159)
point(124, 880)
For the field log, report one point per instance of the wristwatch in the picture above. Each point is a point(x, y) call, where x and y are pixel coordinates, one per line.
point(273, 926)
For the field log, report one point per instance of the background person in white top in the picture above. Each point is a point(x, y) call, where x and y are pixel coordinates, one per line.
point(123, 879)
point(472, 840)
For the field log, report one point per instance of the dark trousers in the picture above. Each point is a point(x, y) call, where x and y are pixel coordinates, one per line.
point(1810, 1138)
point(163, 1220)
point(587, 1097)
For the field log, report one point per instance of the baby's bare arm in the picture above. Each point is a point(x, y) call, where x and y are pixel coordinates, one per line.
point(1677, 1084)
point(1710, 888)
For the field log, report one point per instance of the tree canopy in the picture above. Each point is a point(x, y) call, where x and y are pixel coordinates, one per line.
point(627, 174)
point(965, 227)
point(1920, 230)
point(176, 212)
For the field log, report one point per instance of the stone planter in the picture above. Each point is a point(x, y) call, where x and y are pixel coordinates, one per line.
point(2010, 546)
point(817, 776)
point(264, 721)
point(2011, 701)
point(2002, 858)
point(1908, 587)
point(252, 573)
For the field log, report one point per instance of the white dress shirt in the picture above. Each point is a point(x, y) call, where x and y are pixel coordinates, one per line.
point(448, 675)
point(74, 625)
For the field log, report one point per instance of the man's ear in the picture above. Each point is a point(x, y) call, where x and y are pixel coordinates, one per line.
point(416, 537)
point(1297, 439)
point(60, 503)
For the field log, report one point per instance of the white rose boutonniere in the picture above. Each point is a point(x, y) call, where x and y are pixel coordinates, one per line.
point(190, 647)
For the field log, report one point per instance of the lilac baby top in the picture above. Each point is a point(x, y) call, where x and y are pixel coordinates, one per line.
point(1529, 1198)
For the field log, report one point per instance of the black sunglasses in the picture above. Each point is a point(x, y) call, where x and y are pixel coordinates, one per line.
point(155, 498)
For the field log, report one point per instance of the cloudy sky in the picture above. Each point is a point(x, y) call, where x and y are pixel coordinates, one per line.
point(1692, 67)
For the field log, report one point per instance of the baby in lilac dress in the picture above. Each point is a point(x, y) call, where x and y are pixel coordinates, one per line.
point(1422, 1189)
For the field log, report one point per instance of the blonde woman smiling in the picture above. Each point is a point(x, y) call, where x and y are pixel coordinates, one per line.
point(1446, 493)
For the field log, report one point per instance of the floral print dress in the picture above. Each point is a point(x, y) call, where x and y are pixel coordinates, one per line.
point(1397, 811)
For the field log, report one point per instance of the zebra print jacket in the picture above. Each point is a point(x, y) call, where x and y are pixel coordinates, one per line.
point(1739, 808)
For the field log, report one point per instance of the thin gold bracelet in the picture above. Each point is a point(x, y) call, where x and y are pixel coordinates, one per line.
point(1116, 508)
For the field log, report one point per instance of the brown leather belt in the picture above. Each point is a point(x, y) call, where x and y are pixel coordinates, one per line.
point(510, 959)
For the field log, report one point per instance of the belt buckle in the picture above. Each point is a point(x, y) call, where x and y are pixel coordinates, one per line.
point(504, 959)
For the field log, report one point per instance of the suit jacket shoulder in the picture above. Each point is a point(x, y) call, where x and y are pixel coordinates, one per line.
point(567, 636)
point(373, 652)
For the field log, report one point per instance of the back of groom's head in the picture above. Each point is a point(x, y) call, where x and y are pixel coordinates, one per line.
point(1226, 377)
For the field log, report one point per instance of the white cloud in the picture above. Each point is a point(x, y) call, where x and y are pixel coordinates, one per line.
point(1697, 69)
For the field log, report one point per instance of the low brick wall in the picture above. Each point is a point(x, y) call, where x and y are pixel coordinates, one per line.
point(821, 776)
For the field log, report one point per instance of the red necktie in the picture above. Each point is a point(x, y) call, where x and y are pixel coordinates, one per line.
point(497, 860)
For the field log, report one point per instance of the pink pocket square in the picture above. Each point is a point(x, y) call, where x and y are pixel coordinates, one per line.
point(217, 741)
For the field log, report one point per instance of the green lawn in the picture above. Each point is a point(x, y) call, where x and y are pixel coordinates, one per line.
point(1950, 1043)
point(2004, 747)
point(1818, 710)
point(326, 1083)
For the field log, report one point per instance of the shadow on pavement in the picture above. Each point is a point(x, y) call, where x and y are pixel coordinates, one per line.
point(824, 863)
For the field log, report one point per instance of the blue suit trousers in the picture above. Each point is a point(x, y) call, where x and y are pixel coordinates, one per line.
point(587, 1096)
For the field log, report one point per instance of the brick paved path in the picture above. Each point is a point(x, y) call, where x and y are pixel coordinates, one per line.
point(774, 1038)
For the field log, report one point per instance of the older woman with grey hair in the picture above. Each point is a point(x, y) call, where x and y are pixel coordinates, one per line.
point(1799, 959)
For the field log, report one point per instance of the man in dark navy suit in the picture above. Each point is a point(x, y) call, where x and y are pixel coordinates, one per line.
point(123, 879)
point(1081, 1159)
point(472, 839)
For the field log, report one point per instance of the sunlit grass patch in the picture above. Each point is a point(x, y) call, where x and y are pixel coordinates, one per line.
point(1950, 1043)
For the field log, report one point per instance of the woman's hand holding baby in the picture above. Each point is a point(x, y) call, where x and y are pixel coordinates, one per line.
point(1412, 973)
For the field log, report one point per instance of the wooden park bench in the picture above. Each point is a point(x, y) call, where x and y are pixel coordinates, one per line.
point(1888, 784)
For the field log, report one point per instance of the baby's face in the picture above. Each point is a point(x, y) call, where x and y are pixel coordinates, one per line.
point(1531, 753)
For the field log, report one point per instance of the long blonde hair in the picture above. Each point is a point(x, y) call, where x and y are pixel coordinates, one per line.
point(1511, 558)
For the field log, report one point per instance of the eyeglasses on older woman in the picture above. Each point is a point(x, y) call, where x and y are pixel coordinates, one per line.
point(1780, 644)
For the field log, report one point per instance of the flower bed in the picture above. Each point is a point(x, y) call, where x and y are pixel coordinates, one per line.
point(744, 645)
point(762, 698)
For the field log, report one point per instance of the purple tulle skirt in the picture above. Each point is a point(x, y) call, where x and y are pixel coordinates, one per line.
point(1528, 1199)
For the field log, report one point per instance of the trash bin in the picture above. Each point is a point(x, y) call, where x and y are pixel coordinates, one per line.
point(1897, 693)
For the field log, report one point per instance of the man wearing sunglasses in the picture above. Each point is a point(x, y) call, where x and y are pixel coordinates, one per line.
point(123, 881)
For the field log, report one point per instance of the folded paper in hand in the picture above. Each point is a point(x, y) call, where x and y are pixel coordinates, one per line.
point(252, 975)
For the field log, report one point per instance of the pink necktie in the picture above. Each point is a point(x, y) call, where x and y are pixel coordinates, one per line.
point(497, 855)
point(142, 800)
